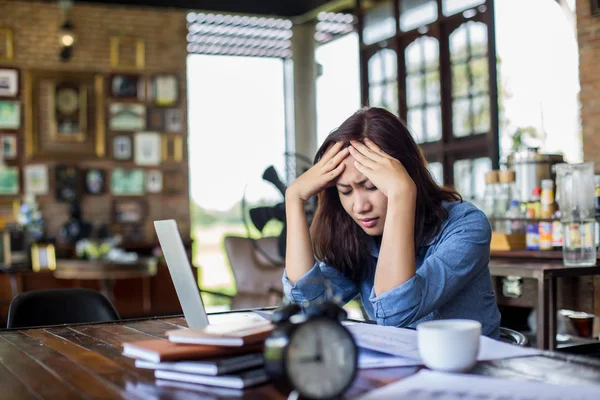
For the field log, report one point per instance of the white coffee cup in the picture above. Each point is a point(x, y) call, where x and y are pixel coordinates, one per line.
point(449, 345)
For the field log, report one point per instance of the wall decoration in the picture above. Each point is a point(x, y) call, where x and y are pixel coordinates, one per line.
point(156, 119)
point(129, 182)
point(127, 117)
point(147, 148)
point(165, 90)
point(10, 114)
point(68, 112)
point(122, 150)
point(172, 148)
point(9, 146)
point(173, 182)
point(127, 52)
point(9, 82)
point(36, 179)
point(7, 49)
point(174, 120)
point(94, 181)
point(66, 183)
point(9, 180)
point(127, 87)
point(43, 256)
point(64, 115)
point(154, 181)
point(129, 211)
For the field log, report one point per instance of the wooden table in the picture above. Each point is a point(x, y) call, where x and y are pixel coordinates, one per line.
point(105, 272)
point(546, 274)
point(85, 361)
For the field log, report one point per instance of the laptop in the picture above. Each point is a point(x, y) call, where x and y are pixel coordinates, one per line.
point(185, 281)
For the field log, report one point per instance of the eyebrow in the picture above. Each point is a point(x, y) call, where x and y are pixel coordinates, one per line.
point(358, 183)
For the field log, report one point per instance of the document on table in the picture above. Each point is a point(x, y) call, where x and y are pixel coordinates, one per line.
point(431, 385)
point(402, 343)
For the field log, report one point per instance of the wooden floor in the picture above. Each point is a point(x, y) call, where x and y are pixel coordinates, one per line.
point(85, 362)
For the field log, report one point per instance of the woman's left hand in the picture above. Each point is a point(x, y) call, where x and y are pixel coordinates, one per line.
point(384, 171)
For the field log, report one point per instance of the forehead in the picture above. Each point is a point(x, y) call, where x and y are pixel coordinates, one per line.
point(350, 174)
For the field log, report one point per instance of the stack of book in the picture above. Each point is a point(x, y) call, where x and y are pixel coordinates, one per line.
point(227, 355)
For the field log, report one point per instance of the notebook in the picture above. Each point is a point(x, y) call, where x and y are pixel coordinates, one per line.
point(212, 366)
point(239, 380)
point(223, 334)
point(185, 282)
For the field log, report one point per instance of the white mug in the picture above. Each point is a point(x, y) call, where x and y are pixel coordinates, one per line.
point(449, 345)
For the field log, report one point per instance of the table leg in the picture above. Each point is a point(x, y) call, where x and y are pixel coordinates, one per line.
point(107, 287)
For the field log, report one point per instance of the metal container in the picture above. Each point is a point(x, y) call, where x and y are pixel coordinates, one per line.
point(531, 167)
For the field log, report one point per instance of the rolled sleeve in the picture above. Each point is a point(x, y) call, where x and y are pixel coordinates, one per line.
point(312, 285)
point(463, 249)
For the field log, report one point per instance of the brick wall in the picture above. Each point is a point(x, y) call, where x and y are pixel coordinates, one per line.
point(588, 35)
point(35, 26)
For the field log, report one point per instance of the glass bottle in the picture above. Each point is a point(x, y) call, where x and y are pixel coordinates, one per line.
point(546, 211)
point(514, 219)
point(507, 192)
point(532, 233)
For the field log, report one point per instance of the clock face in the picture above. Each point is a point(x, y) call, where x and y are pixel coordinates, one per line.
point(321, 359)
point(66, 101)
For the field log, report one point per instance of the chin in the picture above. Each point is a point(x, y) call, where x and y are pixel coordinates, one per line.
point(374, 231)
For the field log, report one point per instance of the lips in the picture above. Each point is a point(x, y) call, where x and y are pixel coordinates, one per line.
point(368, 222)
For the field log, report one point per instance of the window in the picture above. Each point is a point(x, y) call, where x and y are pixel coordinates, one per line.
point(424, 117)
point(450, 7)
point(416, 13)
point(379, 23)
point(469, 177)
point(383, 83)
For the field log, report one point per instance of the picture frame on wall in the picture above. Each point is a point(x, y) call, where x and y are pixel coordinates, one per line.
point(173, 120)
point(94, 181)
point(9, 82)
point(36, 179)
point(122, 148)
point(10, 150)
point(43, 257)
point(165, 90)
point(147, 148)
point(154, 181)
point(68, 112)
point(172, 148)
point(129, 211)
point(127, 182)
point(9, 181)
point(156, 119)
point(10, 114)
point(127, 86)
point(127, 117)
point(66, 183)
point(127, 52)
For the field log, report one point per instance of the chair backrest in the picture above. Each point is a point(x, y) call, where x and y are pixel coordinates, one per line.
point(59, 306)
point(257, 267)
point(513, 337)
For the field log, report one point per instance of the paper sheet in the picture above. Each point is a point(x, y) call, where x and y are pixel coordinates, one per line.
point(403, 343)
point(430, 385)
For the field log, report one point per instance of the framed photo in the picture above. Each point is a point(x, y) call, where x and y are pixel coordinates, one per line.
point(9, 82)
point(165, 90)
point(172, 148)
point(36, 179)
point(127, 52)
point(129, 211)
point(10, 114)
point(154, 181)
point(66, 183)
point(94, 181)
point(9, 146)
point(43, 256)
point(173, 120)
point(127, 117)
point(156, 119)
point(9, 180)
point(122, 148)
point(7, 49)
point(173, 182)
point(127, 87)
point(147, 148)
point(127, 182)
point(68, 112)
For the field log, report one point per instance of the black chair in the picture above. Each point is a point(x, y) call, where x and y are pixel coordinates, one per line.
point(59, 306)
point(513, 337)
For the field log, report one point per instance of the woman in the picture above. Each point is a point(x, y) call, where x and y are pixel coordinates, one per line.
point(384, 229)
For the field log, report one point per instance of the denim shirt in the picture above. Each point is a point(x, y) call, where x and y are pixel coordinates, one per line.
point(452, 278)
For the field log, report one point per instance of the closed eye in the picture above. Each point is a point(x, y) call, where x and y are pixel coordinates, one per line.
point(345, 193)
point(371, 188)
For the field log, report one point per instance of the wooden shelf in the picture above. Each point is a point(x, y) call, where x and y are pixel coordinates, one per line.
point(530, 254)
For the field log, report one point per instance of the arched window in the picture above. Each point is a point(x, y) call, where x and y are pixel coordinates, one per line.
point(383, 82)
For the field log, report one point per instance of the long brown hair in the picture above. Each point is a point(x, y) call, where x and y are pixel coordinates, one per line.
point(337, 238)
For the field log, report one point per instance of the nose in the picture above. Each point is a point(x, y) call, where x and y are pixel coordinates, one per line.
point(361, 203)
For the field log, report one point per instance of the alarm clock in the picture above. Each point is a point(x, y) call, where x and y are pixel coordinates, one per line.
point(311, 352)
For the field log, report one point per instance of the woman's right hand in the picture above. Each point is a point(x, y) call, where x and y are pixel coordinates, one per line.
point(321, 175)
